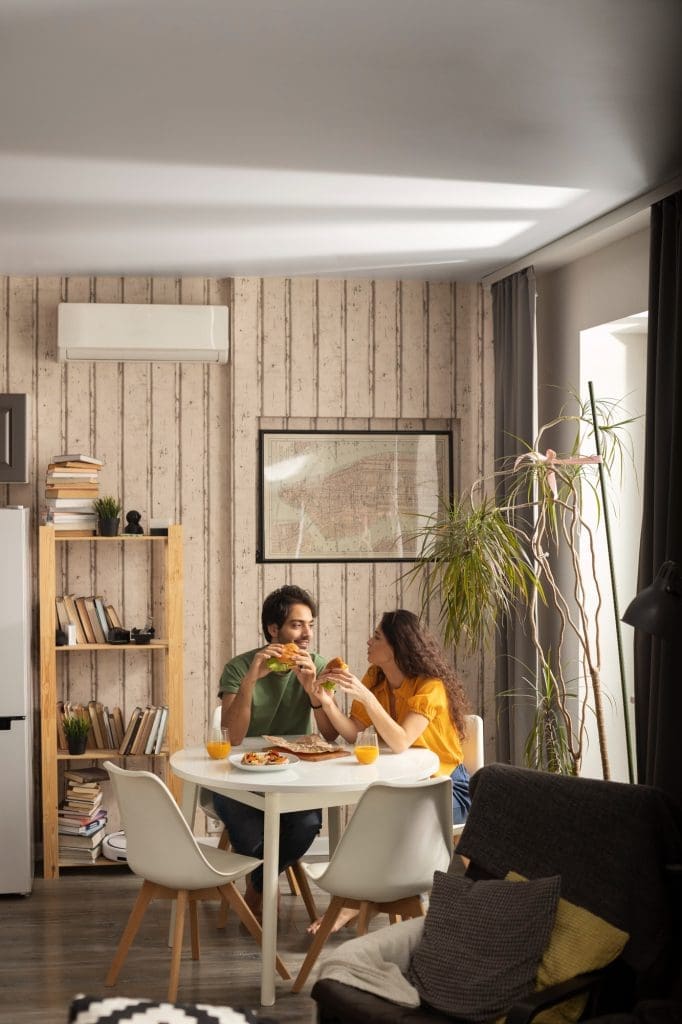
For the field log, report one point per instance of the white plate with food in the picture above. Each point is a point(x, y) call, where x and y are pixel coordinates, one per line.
point(263, 761)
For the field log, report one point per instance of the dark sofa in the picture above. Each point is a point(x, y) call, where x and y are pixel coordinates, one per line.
point(618, 850)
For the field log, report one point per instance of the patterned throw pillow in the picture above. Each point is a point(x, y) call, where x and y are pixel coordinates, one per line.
point(580, 942)
point(482, 944)
point(120, 1010)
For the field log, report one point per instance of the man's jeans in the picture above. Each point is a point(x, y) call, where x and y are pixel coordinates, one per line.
point(245, 826)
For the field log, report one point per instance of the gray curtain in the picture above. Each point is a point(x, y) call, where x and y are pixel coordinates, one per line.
point(514, 342)
point(658, 691)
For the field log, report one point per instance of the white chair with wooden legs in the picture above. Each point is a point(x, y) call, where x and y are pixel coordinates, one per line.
point(174, 866)
point(398, 836)
point(473, 749)
point(296, 876)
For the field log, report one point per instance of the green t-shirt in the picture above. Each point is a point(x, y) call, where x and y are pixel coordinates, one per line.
point(280, 705)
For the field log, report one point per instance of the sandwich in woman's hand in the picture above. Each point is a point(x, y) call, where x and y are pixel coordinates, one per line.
point(286, 661)
point(335, 665)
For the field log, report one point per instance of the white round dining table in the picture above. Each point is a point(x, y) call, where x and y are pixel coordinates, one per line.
point(331, 784)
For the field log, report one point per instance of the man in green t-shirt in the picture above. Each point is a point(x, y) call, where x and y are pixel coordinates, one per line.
point(257, 701)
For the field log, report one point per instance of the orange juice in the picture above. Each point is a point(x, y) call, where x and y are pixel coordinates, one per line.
point(217, 749)
point(367, 755)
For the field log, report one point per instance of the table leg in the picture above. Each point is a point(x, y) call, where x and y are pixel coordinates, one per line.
point(270, 891)
point(334, 827)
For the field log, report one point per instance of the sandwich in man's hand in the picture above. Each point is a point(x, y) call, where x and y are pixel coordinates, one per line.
point(286, 660)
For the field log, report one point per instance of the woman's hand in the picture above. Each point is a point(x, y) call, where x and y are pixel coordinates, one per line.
point(355, 689)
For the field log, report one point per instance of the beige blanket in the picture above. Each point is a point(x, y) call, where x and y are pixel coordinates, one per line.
point(376, 962)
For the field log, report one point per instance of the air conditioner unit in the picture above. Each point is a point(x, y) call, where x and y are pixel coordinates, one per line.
point(121, 331)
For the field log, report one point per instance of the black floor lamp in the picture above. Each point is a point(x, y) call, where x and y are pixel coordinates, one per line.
point(658, 608)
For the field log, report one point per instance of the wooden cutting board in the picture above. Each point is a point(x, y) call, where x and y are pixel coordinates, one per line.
point(322, 756)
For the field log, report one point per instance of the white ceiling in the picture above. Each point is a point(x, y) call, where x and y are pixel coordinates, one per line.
point(433, 139)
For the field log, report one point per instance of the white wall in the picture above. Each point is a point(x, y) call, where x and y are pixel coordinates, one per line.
point(576, 302)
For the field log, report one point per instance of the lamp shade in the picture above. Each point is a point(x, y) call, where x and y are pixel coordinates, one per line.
point(658, 608)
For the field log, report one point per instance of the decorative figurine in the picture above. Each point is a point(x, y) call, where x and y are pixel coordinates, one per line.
point(133, 521)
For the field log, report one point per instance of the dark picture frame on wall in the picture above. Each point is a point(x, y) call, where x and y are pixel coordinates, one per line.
point(349, 496)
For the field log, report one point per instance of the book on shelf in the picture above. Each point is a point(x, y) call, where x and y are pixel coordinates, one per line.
point(153, 732)
point(94, 620)
point(80, 505)
point(83, 491)
point(93, 773)
point(76, 818)
point(120, 729)
point(61, 531)
point(62, 743)
point(76, 856)
point(96, 726)
point(101, 615)
point(83, 841)
point(62, 614)
point(75, 828)
point(66, 473)
point(86, 789)
point(161, 734)
point(112, 615)
point(74, 618)
point(85, 620)
point(86, 807)
point(140, 740)
point(105, 725)
point(133, 723)
point(77, 458)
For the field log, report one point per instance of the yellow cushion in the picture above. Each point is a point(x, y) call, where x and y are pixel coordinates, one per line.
point(580, 942)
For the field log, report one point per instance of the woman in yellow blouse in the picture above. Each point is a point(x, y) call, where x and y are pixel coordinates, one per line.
point(410, 695)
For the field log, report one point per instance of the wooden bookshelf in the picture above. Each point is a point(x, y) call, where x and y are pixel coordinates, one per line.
point(53, 659)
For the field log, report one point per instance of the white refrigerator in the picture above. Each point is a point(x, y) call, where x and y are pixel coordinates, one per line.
point(16, 733)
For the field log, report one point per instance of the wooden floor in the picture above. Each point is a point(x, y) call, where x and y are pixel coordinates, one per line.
point(59, 941)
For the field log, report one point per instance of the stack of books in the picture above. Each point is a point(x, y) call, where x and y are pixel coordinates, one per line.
point(81, 817)
point(71, 484)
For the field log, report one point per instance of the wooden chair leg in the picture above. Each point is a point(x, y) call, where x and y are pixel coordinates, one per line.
point(304, 890)
point(223, 912)
point(293, 881)
point(143, 900)
point(366, 913)
point(336, 904)
point(176, 952)
point(194, 928)
point(231, 894)
point(224, 841)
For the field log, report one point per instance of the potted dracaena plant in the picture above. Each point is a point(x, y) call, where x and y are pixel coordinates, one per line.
point(487, 554)
point(108, 512)
point(76, 729)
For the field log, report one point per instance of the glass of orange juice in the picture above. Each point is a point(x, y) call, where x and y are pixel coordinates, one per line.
point(367, 746)
point(218, 743)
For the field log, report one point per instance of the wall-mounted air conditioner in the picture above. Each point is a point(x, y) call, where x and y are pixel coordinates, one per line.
point(121, 331)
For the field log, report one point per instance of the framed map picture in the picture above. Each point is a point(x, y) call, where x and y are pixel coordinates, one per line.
point(344, 496)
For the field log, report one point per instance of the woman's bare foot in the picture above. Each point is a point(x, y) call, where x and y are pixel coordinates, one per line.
point(343, 918)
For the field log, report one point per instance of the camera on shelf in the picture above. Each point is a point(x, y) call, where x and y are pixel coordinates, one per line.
point(142, 636)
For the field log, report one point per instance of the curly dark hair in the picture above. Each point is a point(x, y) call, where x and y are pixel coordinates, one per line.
point(277, 604)
point(418, 653)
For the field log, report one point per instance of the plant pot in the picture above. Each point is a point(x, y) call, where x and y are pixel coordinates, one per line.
point(77, 744)
point(108, 527)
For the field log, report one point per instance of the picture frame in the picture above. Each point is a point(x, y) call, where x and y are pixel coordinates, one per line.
point(349, 496)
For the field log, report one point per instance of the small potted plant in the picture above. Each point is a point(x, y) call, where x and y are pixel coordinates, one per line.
point(76, 728)
point(108, 511)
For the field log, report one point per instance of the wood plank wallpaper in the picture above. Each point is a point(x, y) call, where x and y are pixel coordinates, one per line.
point(180, 439)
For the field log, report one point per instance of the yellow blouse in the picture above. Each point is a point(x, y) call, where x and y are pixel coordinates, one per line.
point(422, 696)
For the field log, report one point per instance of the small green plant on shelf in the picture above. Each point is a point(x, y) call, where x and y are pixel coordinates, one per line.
point(106, 507)
point(75, 726)
point(76, 729)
